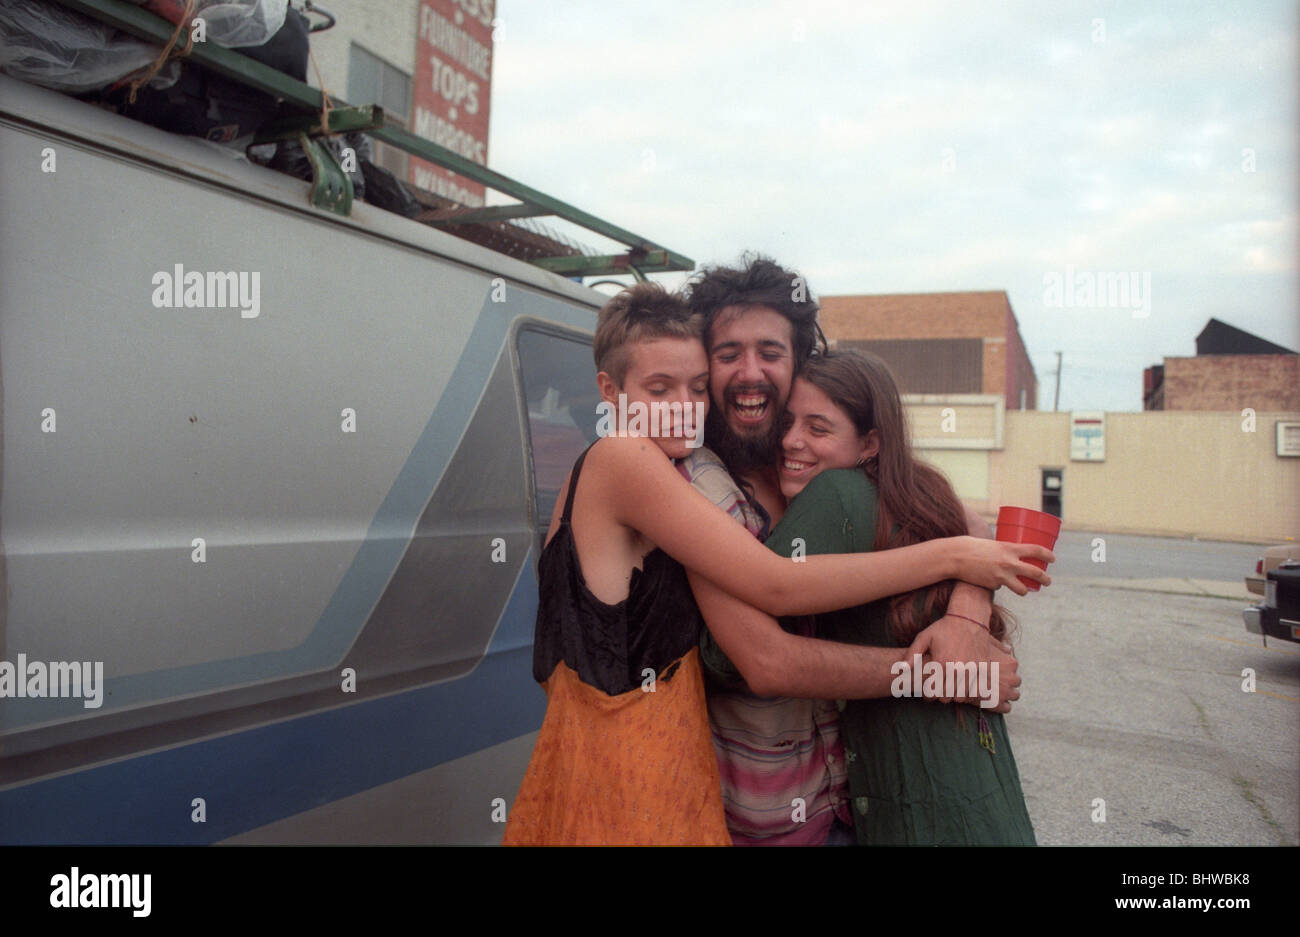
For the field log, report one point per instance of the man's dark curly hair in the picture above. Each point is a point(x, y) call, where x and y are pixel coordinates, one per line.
point(759, 281)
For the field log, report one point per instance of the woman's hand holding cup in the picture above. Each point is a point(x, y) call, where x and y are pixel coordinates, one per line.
point(995, 563)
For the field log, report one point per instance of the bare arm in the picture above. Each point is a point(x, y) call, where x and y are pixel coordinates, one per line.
point(976, 526)
point(777, 663)
point(647, 494)
point(954, 637)
point(971, 601)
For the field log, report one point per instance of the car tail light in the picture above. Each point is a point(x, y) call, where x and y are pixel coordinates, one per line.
point(1259, 566)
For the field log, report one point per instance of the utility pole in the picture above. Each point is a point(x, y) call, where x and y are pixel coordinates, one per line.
point(1056, 400)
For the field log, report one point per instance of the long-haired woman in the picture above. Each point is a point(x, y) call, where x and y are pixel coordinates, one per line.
point(920, 772)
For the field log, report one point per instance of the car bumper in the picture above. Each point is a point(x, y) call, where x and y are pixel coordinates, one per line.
point(1265, 621)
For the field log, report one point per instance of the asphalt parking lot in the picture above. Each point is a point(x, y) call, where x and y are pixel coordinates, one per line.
point(1134, 727)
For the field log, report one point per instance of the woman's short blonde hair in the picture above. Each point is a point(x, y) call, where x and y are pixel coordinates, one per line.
point(645, 310)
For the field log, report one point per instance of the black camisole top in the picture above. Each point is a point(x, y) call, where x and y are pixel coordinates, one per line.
point(611, 646)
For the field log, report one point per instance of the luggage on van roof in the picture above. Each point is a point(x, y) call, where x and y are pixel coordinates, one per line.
point(49, 45)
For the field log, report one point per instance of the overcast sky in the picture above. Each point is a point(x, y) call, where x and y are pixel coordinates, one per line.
point(933, 146)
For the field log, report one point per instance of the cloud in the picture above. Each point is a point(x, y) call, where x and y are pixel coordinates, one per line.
point(931, 146)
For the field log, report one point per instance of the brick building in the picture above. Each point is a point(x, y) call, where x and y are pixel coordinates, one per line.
point(939, 343)
point(962, 368)
point(1232, 370)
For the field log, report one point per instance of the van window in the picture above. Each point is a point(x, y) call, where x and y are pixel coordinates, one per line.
point(559, 381)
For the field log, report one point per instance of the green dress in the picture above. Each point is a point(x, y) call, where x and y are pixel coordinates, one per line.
point(918, 773)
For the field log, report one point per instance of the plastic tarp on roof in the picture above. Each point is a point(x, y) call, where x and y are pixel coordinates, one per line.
point(49, 45)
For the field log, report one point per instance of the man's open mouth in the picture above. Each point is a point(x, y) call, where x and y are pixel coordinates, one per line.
point(750, 407)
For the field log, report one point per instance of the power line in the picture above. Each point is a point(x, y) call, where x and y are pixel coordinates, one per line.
point(1056, 398)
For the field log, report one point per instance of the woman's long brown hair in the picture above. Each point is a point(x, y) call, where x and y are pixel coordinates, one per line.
point(914, 502)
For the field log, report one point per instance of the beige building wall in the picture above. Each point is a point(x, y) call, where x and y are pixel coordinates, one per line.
point(1034, 440)
point(968, 471)
point(954, 421)
point(1168, 473)
point(1171, 473)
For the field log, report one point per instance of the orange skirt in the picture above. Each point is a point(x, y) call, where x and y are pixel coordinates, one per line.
point(634, 769)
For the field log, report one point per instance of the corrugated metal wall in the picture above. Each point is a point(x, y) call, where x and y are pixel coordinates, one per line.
point(932, 365)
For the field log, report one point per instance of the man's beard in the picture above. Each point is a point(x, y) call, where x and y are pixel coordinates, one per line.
point(741, 454)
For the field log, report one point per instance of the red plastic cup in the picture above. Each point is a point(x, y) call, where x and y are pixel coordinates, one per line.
point(1022, 525)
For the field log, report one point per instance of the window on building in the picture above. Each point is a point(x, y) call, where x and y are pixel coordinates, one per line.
point(371, 80)
point(930, 365)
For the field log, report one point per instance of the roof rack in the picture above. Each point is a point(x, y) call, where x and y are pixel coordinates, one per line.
point(332, 189)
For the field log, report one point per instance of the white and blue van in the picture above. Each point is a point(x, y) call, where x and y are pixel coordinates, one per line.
point(273, 485)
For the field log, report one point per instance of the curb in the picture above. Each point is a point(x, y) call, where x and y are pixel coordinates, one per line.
point(1205, 588)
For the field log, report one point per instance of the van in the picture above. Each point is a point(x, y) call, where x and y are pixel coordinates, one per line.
point(274, 485)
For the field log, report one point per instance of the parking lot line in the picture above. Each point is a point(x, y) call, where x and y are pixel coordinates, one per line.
point(1289, 699)
point(1276, 650)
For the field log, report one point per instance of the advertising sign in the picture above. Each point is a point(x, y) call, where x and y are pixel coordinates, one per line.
point(453, 76)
